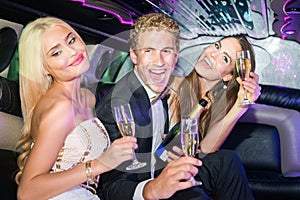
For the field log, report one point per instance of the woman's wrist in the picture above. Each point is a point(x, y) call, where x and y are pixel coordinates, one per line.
point(240, 109)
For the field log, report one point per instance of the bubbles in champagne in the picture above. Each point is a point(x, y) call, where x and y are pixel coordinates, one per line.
point(189, 143)
point(127, 128)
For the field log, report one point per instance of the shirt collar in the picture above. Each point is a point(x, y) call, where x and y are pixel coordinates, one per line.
point(151, 94)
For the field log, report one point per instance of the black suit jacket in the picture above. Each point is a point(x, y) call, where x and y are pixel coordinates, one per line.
point(119, 183)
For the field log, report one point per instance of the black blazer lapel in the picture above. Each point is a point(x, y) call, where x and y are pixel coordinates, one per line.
point(141, 110)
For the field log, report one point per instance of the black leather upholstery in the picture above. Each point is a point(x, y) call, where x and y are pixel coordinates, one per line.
point(9, 90)
point(264, 138)
point(258, 146)
point(274, 186)
point(102, 89)
point(280, 96)
point(8, 169)
point(8, 44)
point(10, 97)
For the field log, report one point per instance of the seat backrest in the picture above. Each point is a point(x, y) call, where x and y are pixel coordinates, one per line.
point(102, 89)
point(8, 169)
point(287, 123)
point(8, 44)
point(10, 97)
point(280, 96)
point(277, 107)
point(258, 146)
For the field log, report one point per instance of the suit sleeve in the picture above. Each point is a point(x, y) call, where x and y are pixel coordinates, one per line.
point(117, 183)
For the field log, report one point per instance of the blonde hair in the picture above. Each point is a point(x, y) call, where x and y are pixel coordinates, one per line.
point(34, 80)
point(153, 21)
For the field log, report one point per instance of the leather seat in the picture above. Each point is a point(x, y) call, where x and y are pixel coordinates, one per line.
point(10, 97)
point(9, 100)
point(8, 44)
point(267, 140)
point(8, 169)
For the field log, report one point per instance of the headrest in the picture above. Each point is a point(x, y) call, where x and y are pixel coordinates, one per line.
point(10, 97)
point(280, 96)
point(8, 44)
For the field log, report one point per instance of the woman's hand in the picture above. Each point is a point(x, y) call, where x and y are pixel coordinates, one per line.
point(251, 85)
point(118, 152)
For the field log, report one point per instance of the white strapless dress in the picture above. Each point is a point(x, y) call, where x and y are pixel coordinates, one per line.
point(87, 141)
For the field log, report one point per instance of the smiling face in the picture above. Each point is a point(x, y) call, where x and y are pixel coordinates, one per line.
point(65, 53)
point(218, 60)
point(155, 58)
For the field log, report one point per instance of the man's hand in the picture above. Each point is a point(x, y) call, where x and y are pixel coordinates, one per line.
point(172, 178)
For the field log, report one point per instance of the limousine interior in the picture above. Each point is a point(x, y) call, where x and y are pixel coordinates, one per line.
point(266, 137)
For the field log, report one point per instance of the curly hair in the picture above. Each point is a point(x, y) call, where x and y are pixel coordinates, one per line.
point(156, 21)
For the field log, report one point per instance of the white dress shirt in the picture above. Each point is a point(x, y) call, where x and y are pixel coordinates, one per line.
point(158, 129)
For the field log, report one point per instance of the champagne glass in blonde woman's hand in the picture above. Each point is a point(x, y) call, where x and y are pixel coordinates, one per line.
point(126, 125)
point(243, 67)
point(189, 138)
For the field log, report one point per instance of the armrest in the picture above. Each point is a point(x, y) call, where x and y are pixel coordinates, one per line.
point(287, 123)
point(280, 96)
point(11, 126)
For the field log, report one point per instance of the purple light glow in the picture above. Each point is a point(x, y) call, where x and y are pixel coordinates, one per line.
point(288, 28)
point(287, 19)
point(282, 63)
point(123, 21)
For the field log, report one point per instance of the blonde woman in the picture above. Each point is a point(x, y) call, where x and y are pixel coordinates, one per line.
point(66, 147)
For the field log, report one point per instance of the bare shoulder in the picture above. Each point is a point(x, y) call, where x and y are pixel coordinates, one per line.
point(53, 114)
point(53, 103)
point(90, 97)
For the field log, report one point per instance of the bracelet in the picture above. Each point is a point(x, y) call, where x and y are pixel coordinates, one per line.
point(89, 172)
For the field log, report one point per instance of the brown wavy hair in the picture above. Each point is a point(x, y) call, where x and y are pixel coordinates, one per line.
point(221, 100)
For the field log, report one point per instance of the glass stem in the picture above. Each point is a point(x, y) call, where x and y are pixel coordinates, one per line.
point(245, 94)
point(134, 157)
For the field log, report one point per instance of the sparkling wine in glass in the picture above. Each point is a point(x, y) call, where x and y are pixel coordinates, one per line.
point(126, 125)
point(243, 67)
point(189, 138)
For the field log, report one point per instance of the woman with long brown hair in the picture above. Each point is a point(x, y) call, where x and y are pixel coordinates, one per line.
point(215, 79)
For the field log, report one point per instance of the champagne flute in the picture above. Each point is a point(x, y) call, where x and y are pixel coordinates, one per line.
point(243, 67)
point(126, 125)
point(189, 138)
